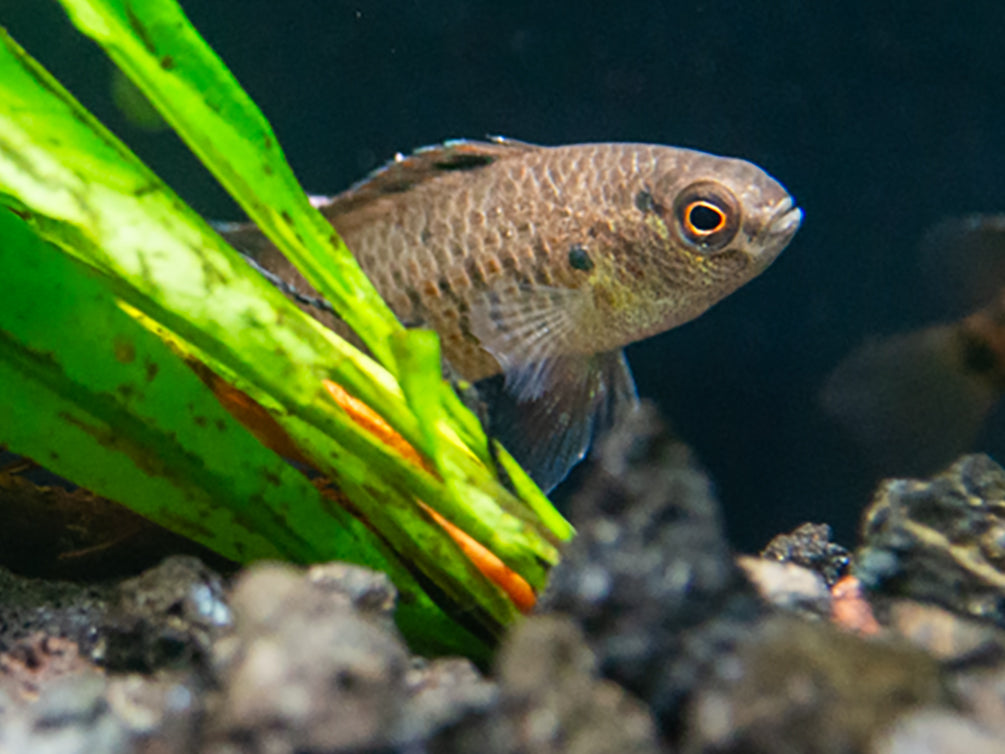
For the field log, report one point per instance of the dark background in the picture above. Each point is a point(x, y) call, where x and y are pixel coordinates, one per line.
point(881, 118)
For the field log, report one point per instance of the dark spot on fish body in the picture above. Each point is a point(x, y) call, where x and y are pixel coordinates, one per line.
point(457, 250)
point(397, 187)
point(465, 162)
point(444, 285)
point(644, 201)
point(267, 169)
point(200, 420)
point(286, 217)
point(425, 236)
point(580, 259)
point(221, 425)
point(167, 63)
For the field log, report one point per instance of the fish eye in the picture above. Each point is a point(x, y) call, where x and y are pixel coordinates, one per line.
point(707, 215)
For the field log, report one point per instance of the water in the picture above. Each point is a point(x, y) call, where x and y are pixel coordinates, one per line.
point(881, 118)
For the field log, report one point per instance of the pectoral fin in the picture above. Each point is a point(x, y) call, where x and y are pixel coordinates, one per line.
point(554, 400)
point(575, 399)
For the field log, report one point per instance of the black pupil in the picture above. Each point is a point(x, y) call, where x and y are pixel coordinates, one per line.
point(705, 218)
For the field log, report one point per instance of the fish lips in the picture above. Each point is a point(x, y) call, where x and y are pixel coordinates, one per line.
point(779, 230)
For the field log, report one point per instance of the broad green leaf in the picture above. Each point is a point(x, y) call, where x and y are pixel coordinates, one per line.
point(154, 44)
point(97, 398)
point(152, 41)
point(83, 190)
point(97, 200)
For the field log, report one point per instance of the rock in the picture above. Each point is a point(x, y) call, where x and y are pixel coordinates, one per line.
point(443, 692)
point(551, 701)
point(370, 592)
point(788, 586)
point(89, 713)
point(980, 692)
point(807, 687)
point(168, 616)
point(35, 662)
point(940, 540)
point(809, 545)
point(948, 637)
point(650, 577)
point(36, 607)
point(304, 670)
point(938, 732)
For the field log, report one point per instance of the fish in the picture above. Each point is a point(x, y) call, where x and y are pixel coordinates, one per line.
point(542, 263)
point(915, 400)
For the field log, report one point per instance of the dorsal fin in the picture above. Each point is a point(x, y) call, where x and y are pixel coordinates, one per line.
point(424, 164)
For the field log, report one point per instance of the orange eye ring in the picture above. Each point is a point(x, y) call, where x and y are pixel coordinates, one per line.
point(707, 216)
point(710, 213)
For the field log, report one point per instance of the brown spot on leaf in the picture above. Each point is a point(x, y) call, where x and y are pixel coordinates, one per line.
point(124, 350)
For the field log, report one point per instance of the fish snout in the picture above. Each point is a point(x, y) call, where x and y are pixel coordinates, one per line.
point(782, 225)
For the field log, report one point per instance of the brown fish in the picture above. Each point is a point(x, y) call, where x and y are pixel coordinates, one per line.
point(542, 263)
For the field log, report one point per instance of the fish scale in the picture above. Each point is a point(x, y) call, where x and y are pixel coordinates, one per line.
point(542, 263)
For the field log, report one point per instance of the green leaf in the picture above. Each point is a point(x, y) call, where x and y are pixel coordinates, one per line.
point(154, 44)
point(83, 190)
point(152, 41)
point(104, 402)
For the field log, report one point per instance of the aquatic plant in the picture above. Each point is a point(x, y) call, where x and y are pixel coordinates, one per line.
point(143, 359)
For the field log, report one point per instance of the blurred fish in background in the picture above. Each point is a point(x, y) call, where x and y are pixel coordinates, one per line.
point(916, 400)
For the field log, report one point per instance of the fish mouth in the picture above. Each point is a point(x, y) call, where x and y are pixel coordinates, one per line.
point(778, 231)
point(785, 220)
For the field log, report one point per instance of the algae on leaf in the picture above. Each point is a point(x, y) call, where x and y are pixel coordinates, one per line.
point(154, 284)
